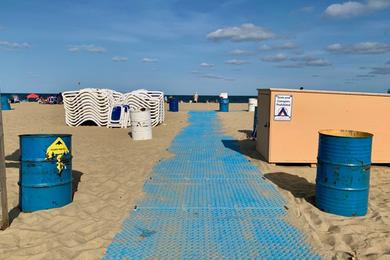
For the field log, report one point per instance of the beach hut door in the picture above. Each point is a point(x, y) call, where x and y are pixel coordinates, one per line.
point(263, 125)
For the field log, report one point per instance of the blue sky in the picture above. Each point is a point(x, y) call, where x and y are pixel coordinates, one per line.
point(183, 46)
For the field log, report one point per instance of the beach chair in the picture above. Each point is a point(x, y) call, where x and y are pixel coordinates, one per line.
point(126, 119)
point(120, 116)
point(116, 116)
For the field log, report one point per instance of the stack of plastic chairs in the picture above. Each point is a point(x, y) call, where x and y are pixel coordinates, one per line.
point(109, 108)
point(152, 100)
point(90, 105)
point(160, 97)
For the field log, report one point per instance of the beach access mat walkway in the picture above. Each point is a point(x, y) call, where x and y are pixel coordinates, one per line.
point(208, 202)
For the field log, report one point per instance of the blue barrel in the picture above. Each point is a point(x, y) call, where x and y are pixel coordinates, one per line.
point(45, 175)
point(224, 105)
point(5, 103)
point(174, 105)
point(343, 172)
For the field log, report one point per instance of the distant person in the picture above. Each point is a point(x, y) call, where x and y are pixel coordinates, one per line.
point(301, 88)
point(196, 97)
point(59, 98)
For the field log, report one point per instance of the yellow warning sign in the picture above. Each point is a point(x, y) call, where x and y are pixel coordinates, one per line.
point(56, 150)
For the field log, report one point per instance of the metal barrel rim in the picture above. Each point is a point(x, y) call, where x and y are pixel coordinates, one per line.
point(45, 185)
point(67, 159)
point(345, 133)
point(342, 189)
point(45, 135)
point(362, 164)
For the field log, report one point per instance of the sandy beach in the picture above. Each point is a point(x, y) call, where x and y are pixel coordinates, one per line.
point(365, 237)
point(109, 172)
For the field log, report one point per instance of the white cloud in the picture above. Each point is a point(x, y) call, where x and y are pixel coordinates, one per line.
point(317, 62)
point(345, 10)
point(14, 45)
point(359, 48)
point(240, 52)
point(119, 59)
point(378, 4)
point(380, 71)
point(291, 66)
point(365, 76)
point(244, 32)
point(306, 61)
point(236, 62)
point(353, 8)
point(213, 76)
point(335, 47)
point(311, 61)
point(149, 60)
point(286, 46)
point(275, 58)
point(86, 47)
point(206, 65)
point(283, 46)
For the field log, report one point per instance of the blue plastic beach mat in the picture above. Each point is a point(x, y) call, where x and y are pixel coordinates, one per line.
point(208, 202)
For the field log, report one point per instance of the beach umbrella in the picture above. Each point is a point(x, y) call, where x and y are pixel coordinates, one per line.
point(32, 96)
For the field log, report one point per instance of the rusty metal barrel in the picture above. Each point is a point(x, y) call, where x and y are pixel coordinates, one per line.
point(343, 172)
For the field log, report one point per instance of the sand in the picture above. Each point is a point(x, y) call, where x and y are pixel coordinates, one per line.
point(365, 237)
point(110, 170)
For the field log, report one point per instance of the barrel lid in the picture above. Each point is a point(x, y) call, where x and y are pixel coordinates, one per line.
point(45, 135)
point(345, 133)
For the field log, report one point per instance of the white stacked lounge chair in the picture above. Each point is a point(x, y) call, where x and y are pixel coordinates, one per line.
point(152, 100)
point(89, 105)
point(160, 97)
point(101, 106)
